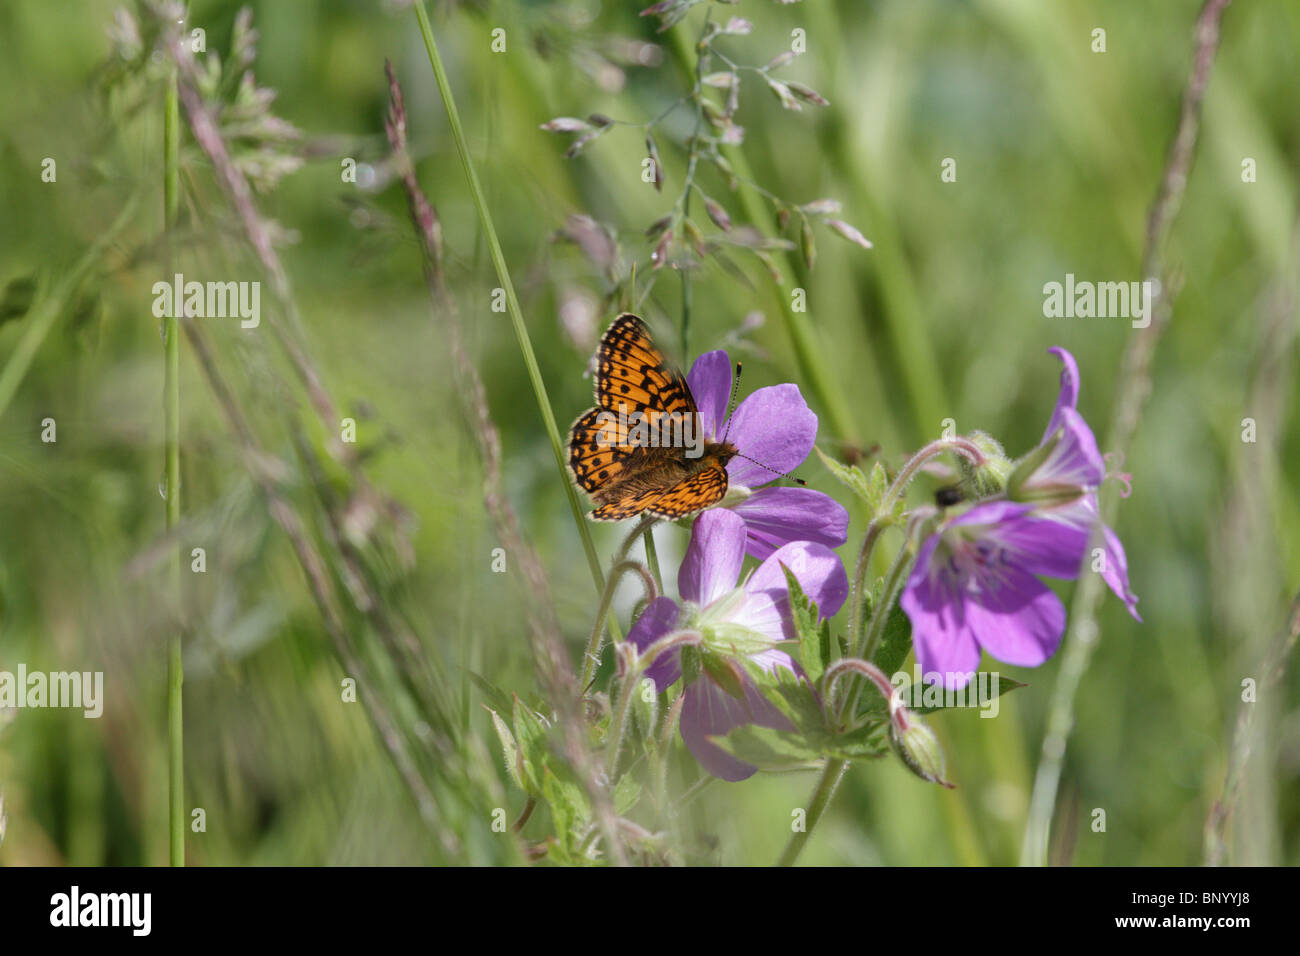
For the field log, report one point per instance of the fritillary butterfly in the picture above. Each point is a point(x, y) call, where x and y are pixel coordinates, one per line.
point(625, 474)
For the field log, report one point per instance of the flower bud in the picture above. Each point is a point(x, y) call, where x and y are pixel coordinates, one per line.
point(916, 743)
point(989, 478)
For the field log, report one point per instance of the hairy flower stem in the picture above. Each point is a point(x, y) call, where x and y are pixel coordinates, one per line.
point(591, 658)
point(894, 579)
point(172, 482)
point(512, 301)
point(893, 494)
point(832, 773)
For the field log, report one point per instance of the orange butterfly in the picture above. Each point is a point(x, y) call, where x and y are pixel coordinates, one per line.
point(641, 449)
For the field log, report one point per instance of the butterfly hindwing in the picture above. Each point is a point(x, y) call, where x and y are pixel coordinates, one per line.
point(627, 507)
point(702, 489)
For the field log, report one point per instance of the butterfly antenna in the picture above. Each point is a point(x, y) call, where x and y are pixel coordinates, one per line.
point(731, 403)
point(731, 407)
point(783, 474)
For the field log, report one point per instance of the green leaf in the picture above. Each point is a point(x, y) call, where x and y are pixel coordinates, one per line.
point(865, 743)
point(814, 643)
point(530, 735)
point(509, 751)
point(970, 697)
point(895, 641)
point(769, 749)
point(568, 803)
point(877, 486)
point(851, 476)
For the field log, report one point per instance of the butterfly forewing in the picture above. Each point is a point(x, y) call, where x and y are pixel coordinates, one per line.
point(631, 371)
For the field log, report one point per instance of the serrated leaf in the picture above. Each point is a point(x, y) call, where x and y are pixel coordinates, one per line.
point(569, 805)
point(803, 612)
point(877, 487)
point(895, 641)
point(530, 737)
point(851, 476)
point(794, 697)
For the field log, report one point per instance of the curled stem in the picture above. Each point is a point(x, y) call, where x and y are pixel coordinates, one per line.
point(591, 658)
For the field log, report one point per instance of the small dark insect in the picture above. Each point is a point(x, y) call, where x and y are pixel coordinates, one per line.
point(949, 496)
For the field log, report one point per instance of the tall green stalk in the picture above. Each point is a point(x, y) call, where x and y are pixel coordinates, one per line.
point(172, 483)
point(512, 301)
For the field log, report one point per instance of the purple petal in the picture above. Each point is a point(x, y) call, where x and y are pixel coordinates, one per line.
point(1082, 516)
point(1069, 394)
point(1043, 542)
point(767, 599)
point(946, 651)
point(709, 711)
point(659, 618)
point(779, 515)
point(710, 382)
point(1116, 573)
point(1076, 460)
point(1041, 545)
point(991, 513)
point(1015, 617)
point(773, 426)
point(714, 557)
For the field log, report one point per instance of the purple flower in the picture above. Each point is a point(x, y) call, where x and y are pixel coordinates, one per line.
point(774, 430)
point(747, 621)
point(1075, 460)
point(976, 584)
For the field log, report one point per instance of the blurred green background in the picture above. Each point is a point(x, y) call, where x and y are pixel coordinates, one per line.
point(1058, 153)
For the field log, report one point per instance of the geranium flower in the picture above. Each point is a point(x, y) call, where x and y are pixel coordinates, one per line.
point(746, 621)
point(1074, 459)
point(976, 584)
point(774, 430)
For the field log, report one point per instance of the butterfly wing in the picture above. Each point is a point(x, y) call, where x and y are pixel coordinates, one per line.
point(595, 456)
point(701, 490)
point(631, 372)
point(635, 382)
point(628, 506)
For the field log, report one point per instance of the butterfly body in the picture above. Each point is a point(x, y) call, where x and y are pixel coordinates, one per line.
point(642, 448)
